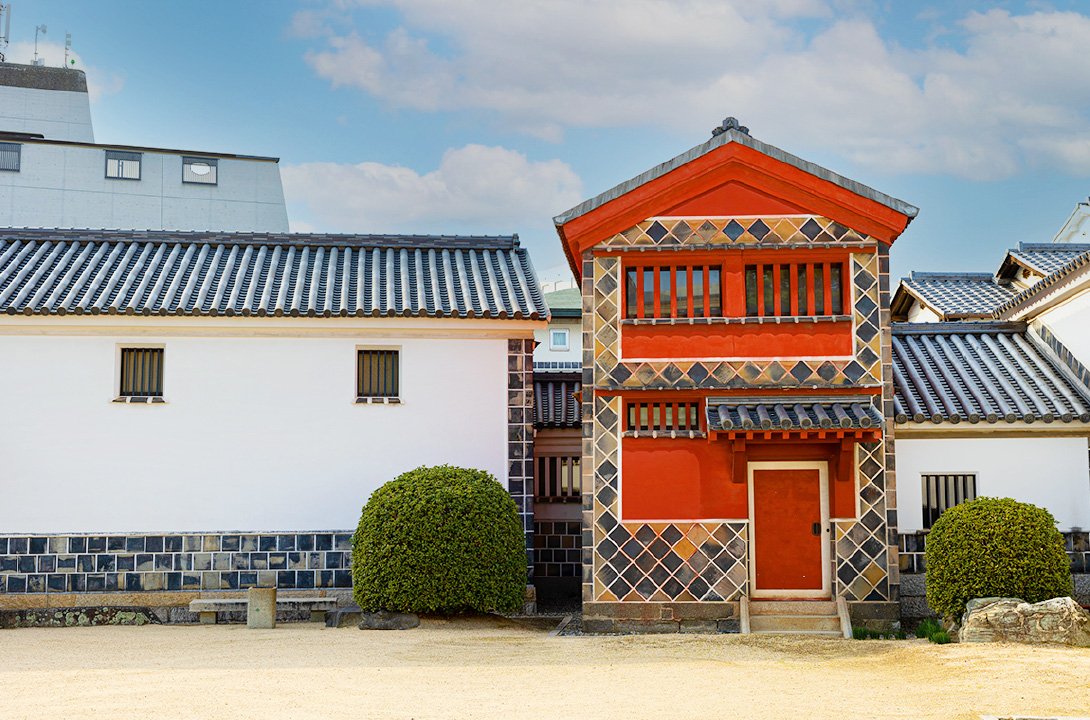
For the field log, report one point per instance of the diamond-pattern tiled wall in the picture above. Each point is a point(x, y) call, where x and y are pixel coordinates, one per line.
point(708, 561)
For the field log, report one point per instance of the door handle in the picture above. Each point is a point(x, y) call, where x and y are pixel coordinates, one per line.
point(816, 528)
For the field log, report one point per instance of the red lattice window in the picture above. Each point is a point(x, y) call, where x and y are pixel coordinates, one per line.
point(668, 291)
point(794, 289)
point(662, 416)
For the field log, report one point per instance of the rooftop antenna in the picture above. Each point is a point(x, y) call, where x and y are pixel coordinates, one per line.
point(38, 29)
point(5, 21)
point(67, 47)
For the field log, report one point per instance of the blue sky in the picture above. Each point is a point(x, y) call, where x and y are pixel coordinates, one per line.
point(491, 116)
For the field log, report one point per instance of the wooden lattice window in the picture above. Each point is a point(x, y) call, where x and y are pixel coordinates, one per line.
point(684, 291)
point(141, 372)
point(662, 416)
point(377, 373)
point(942, 492)
point(794, 289)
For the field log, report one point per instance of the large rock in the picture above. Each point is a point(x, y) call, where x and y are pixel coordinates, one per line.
point(1059, 620)
point(386, 620)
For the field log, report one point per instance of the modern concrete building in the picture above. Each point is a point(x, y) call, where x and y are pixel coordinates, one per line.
point(54, 175)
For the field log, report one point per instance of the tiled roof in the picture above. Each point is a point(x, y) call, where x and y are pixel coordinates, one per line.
point(554, 405)
point(565, 303)
point(1076, 262)
point(1046, 259)
point(950, 372)
point(209, 273)
point(958, 295)
point(791, 414)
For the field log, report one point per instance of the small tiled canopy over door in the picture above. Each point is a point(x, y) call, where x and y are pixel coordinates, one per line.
point(736, 386)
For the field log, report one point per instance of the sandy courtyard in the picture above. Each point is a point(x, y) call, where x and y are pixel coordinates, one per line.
point(486, 668)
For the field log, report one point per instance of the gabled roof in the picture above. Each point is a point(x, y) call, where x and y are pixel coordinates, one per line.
point(952, 296)
point(1079, 260)
point(566, 303)
point(554, 402)
point(731, 155)
point(990, 372)
point(212, 273)
point(1041, 258)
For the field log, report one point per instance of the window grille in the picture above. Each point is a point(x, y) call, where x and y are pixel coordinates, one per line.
point(663, 416)
point(10, 154)
point(942, 492)
point(557, 478)
point(674, 292)
point(200, 171)
point(141, 372)
point(377, 373)
point(122, 165)
point(794, 289)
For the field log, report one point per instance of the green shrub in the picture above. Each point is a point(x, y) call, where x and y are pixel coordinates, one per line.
point(859, 633)
point(994, 547)
point(927, 628)
point(440, 539)
point(939, 638)
point(901, 635)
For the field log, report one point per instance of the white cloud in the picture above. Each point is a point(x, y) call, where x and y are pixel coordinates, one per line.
point(475, 189)
point(1018, 94)
point(99, 82)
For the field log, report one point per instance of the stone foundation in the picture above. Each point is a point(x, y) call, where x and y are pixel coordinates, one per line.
point(660, 617)
point(883, 617)
point(914, 605)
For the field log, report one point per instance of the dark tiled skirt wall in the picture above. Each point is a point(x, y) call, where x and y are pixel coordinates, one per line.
point(138, 563)
point(557, 549)
point(913, 545)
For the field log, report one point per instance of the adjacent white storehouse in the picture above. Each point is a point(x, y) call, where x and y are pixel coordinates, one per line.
point(199, 408)
point(53, 174)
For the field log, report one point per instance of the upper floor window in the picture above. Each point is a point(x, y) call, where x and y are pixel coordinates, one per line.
point(558, 339)
point(198, 170)
point(141, 372)
point(122, 165)
point(662, 417)
point(794, 289)
point(685, 291)
point(9, 156)
point(377, 374)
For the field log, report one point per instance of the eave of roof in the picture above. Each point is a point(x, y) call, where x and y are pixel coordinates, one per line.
point(915, 287)
point(1043, 285)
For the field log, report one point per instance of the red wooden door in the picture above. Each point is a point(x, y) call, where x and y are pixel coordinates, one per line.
point(786, 551)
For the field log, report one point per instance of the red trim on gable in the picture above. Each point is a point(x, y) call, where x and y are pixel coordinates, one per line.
point(735, 175)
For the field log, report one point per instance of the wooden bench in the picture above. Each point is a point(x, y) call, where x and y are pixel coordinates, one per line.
point(209, 607)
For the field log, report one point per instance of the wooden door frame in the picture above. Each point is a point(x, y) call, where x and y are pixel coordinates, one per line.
point(826, 575)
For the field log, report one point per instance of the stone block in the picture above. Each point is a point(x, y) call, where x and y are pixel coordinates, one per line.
point(914, 584)
point(1059, 620)
point(729, 626)
point(1081, 582)
point(261, 608)
point(646, 627)
point(874, 611)
point(698, 626)
point(597, 625)
point(916, 607)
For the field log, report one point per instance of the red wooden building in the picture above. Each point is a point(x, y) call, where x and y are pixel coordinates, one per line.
point(737, 392)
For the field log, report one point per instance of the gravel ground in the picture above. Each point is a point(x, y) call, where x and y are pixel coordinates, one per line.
point(487, 667)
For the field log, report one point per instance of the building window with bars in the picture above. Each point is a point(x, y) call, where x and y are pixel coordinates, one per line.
point(688, 291)
point(141, 372)
point(377, 375)
point(942, 492)
point(199, 171)
point(794, 289)
point(666, 417)
point(10, 155)
point(122, 165)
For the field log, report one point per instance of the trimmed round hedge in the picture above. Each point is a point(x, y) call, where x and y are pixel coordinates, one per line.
point(994, 547)
point(440, 539)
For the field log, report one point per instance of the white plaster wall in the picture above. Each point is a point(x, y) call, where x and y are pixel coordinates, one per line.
point(919, 313)
point(258, 433)
point(65, 186)
point(56, 114)
point(574, 353)
point(1069, 322)
point(1051, 473)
